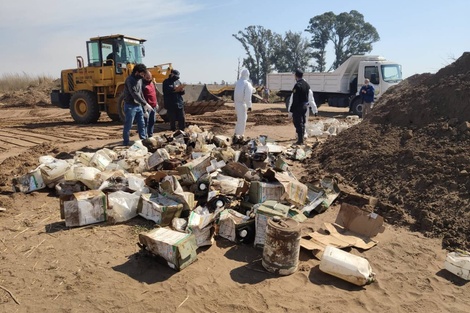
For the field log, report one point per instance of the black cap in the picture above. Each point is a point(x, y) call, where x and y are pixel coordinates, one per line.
point(299, 73)
point(175, 72)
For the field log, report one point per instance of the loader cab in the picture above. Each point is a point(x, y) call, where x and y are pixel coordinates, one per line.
point(117, 51)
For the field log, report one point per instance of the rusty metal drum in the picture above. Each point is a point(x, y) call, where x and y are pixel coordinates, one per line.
point(282, 246)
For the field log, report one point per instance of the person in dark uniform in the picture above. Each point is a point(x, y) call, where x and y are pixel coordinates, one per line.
point(300, 104)
point(173, 92)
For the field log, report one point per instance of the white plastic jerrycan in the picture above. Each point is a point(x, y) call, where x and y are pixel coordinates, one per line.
point(458, 263)
point(346, 266)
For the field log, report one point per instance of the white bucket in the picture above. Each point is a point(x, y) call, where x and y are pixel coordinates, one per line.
point(346, 266)
point(458, 264)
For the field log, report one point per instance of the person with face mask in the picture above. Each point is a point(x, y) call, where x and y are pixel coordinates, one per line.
point(173, 92)
point(150, 95)
point(242, 100)
point(367, 93)
point(134, 103)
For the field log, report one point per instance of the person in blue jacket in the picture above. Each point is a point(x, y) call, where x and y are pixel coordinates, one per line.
point(367, 95)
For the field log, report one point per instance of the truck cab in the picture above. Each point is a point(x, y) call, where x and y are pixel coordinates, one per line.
point(382, 75)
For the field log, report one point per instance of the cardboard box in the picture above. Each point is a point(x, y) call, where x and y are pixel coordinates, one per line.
point(263, 213)
point(235, 169)
point(294, 191)
point(191, 171)
point(30, 182)
point(231, 223)
point(158, 208)
point(157, 158)
point(261, 191)
point(176, 248)
point(84, 208)
point(230, 185)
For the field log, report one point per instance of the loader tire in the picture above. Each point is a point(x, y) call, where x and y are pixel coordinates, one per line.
point(120, 107)
point(84, 107)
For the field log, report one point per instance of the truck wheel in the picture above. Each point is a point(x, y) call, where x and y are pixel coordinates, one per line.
point(84, 107)
point(357, 107)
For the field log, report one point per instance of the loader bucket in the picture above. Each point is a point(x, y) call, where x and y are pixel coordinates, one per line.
point(197, 100)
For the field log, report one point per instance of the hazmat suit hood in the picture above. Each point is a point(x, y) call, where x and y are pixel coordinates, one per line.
point(245, 74)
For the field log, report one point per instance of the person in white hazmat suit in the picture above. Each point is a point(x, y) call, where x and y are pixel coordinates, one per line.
point(242, 99)
point(312, 106)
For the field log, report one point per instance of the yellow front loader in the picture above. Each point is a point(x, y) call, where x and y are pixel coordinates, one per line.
point(98, 86)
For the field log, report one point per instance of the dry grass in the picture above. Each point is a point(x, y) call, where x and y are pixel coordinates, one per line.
point(13, 82)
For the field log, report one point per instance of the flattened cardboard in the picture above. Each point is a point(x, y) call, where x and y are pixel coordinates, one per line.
point(317, 243)
point(353, 227)
point(352, 238)
point(176, 248)
point(359, 221)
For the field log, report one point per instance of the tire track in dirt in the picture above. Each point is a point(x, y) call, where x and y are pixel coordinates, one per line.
point(22, 129)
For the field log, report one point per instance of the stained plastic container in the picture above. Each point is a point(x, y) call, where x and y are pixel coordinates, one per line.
point(346, 266)
point(54, 171)
point(458, 263)
point(282, 246)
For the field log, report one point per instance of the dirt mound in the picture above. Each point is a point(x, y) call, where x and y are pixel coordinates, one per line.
point(414, 154)
point(38, 95)
point(21, 164)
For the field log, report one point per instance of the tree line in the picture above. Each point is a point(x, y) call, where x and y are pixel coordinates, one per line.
point(267, 51)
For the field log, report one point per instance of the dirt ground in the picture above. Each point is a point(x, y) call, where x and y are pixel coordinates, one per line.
point(413, 159)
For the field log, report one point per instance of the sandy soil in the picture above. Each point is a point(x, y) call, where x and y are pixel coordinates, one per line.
point(98, 268)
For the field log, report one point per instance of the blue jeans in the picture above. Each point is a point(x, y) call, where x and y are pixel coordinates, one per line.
point(133, 111)
point(150, 123)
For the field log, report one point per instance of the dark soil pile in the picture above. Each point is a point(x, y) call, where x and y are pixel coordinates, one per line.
point(413, 153)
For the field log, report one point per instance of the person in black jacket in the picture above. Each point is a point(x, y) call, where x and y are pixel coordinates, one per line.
point(299, 105)
point(173, 92)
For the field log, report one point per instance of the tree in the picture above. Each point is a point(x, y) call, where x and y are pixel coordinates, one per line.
point(291, 52)
point(258, 43)
point(348, 32)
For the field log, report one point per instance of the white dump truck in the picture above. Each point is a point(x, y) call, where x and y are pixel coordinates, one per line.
point(340, 88)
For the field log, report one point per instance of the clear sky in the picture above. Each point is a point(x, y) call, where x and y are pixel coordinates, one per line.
point(43, 37)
